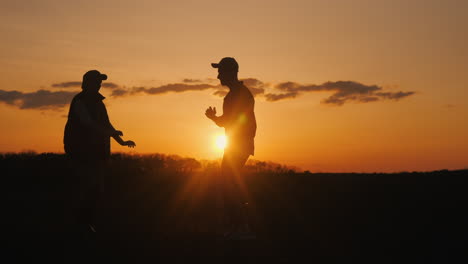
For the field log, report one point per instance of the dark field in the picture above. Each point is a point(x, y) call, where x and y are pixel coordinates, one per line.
point(166, 208)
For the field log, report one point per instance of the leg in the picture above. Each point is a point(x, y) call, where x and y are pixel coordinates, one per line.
point(87, 189)
point(234, 189)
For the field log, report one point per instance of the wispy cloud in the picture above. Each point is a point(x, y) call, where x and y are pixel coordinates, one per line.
point(255, 86)
point(66, 85)
point(449, 106)
point(343, 92)
point(163, 89)
point(109, 85)
point(188, 80)
point(41, 99)
point(276, 97)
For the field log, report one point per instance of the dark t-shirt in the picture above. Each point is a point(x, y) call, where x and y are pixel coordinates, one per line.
point(238, 119)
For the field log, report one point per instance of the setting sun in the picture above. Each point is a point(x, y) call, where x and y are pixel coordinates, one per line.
point(221, 142)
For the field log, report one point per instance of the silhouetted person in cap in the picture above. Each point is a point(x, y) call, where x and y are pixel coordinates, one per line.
point(240, 125)
point(87, 142)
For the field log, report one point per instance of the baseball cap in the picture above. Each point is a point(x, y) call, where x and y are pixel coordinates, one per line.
point(94, 75)
point(226, 64)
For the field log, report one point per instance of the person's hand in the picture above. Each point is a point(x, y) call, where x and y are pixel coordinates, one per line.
point(210, 112)
point(117, 133)
point(129, 144)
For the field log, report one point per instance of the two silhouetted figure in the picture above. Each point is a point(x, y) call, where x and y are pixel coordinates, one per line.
point(240, 125)
point(87, 143)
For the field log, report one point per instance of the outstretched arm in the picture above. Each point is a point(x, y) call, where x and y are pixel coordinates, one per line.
point(117, 137)
point(127, 143)
point(108, 130)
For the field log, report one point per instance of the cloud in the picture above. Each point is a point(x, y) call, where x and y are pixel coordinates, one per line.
point(10, 97)
point(395, 96)
point(449, 106)
point(221, 93)
point(67, 85)
point(192, 80)
point(163, 89)
point(119, 92)
point(177, 88)
point(255, 86)
point(276, 97)
point(343, 91)
point(109, 85)
point(41, 99)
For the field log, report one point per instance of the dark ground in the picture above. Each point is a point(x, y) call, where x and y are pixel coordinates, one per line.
point(153, 210)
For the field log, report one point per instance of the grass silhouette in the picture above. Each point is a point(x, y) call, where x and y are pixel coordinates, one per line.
point(155, 206)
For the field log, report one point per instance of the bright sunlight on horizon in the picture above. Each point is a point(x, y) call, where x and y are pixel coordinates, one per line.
point(221, 142)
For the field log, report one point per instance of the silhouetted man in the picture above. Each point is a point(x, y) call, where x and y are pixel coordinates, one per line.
point(240, 125)
point(87, 142)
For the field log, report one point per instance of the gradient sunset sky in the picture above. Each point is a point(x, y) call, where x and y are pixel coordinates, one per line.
point(340, 86)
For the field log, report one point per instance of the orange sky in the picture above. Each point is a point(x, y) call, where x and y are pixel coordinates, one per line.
point(414, 47)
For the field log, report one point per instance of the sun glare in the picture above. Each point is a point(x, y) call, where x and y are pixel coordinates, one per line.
point(221, 142)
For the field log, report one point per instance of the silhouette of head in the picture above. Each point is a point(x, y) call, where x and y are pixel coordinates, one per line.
point(92, 81)
point(227, 70)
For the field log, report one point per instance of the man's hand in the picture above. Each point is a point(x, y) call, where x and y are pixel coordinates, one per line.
point(210, 112)
point(129, 143)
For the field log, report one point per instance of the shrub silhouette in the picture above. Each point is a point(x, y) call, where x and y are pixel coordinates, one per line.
point(156, 197)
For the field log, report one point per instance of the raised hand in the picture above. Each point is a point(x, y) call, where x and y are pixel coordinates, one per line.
point(210, 112)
